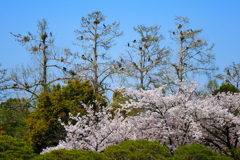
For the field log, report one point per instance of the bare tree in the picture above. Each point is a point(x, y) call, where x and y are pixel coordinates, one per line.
point(193, 53)
point(95, 37)
point(37, 75)
point(144, 57)
point(232, 75)
point(3, 79)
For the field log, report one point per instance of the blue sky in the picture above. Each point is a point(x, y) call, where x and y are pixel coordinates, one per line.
point(220, 21)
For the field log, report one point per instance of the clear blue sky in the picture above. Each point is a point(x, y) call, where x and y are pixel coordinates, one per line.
point(220, 21)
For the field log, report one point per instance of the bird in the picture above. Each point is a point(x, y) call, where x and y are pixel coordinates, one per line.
point(91, 59)
point(26, 85)
point(181, 32)
point(40, 44)
point(51, 34)
point(149, 59)
point(185, 64)
point(104, 25)
point(134, 41)
point(119, 64)
point(61, 59)
point(81, 37)
point(140, 48)
point(122, 69)
point(228, 72)
point(15, 84)
point(179, 26)
point(173, 33)
point(64, 68)
point(72, 72)
point(128, 44)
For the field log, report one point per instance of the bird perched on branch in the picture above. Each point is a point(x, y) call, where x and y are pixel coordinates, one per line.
point(140, 48)
point(64, 68)
point(228, 72)
point(179, 26)
point(134, 41)
point(61, 59)
point(83, 57)
point(51, 34)
point(128, 44)
point(81, 37)
point(104, 25)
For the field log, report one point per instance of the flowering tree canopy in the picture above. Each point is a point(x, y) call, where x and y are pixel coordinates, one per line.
point(174, 119)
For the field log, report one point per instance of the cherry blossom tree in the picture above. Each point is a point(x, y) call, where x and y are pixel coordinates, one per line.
point(95, 131)
point(172, 119)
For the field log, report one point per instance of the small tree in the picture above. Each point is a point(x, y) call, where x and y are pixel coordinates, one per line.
point(44, 129)
point(13, 114)
point(232, 75)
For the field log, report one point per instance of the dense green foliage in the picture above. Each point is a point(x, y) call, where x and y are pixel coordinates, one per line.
point(197, 152)
point(71, 155)
point(14, 148)
point(44, 129)
point(226, 87)
point(13, 114)
point(138, 149)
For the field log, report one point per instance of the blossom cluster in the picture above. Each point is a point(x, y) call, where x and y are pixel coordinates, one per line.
point(173, 119)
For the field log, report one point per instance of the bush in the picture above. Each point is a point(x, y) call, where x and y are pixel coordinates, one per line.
point(138, 149)
point(71, 155)
point(14, 148)
point(197, 152)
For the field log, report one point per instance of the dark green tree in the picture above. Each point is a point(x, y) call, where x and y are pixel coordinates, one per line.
point(198, 152)
point(137, 149)
point(44, 129)
point(13, 114)
point(96, 38)
point(226, 87)
point(14, 148)
point(71, 155)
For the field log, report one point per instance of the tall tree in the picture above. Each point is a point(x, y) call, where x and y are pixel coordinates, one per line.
point(37, 75)
point(193, 54)
point(96, 38)
point(149, 56)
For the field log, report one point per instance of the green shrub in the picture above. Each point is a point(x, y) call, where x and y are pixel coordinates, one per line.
point(14, 148)
point(71, 155)
point(197, 152)
point(138, 149)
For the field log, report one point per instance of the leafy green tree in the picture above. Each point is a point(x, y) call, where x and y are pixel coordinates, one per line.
point(13, 114)
point(14, 148)
point(197, 152)
point(137, 149)
point(71, 155)
point(96, 38)
point(226, 87)
point(44, 128)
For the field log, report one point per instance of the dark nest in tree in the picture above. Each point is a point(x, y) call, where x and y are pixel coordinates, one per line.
point(96, 21)
point(34, 48)
point(146, 45)
point(26, 39)
point(43, 36)
point(199, 40)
